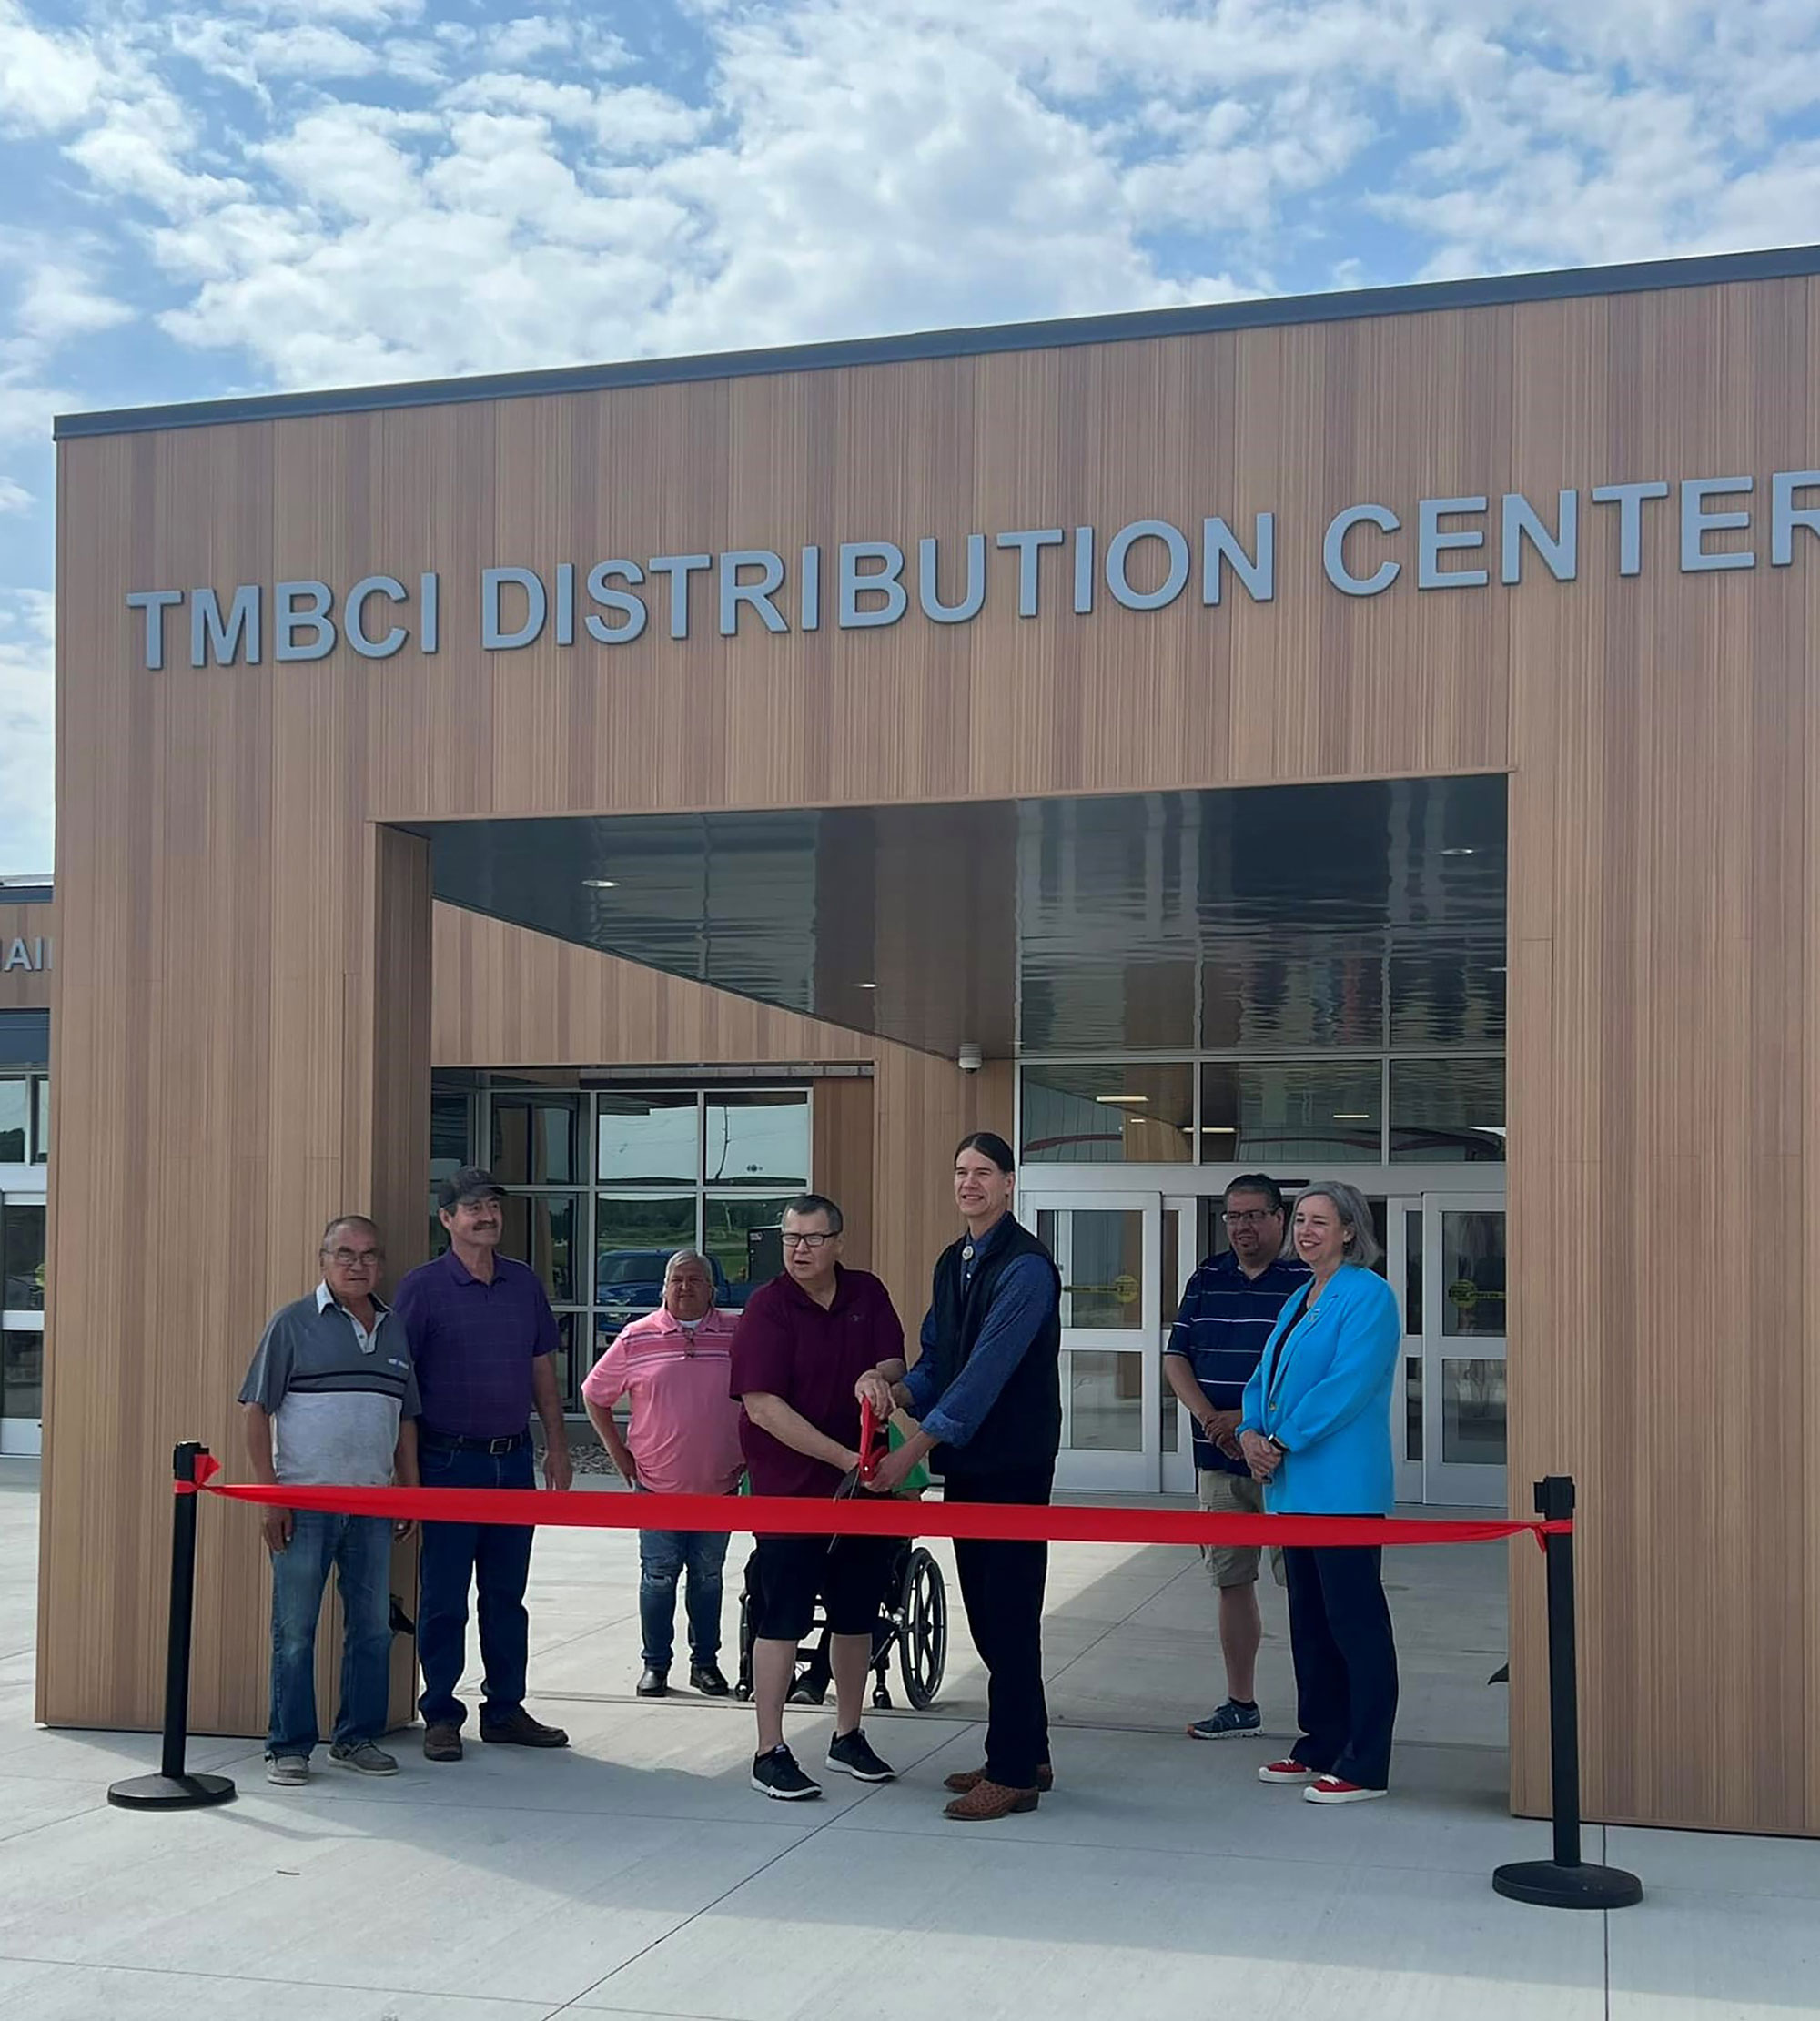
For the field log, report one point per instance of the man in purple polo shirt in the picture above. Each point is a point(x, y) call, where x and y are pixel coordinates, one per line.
point(482, 1338)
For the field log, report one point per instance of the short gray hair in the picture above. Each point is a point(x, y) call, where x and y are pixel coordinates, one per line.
point(814, 1203)
point(1355, 1218)
point(688, 1255)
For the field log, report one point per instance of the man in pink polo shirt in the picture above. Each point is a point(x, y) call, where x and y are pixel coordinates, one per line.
point(683, 1438)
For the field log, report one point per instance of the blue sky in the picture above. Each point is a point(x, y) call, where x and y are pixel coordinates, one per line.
point(272, 194)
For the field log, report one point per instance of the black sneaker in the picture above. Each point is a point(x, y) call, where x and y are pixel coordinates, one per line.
point(851, 1754)
point(777, 1775)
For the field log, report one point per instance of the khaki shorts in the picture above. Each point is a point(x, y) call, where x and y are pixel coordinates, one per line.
point(1233, 1494)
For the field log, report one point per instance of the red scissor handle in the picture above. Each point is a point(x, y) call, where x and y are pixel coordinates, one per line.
point(868, 1435)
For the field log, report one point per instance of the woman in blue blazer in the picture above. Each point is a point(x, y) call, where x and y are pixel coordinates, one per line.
point(1316, 1431)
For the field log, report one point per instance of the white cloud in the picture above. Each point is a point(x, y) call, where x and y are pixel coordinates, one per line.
point(47, 81)
point(14, 496)
point(27, 654)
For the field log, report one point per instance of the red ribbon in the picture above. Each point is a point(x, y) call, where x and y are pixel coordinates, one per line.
point(860, 1516)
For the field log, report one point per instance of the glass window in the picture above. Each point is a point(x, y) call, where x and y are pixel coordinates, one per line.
point(22, 1374)
point(1106, 1401)
point(439, 1234)
point(1473, 1413)
point(738, 1235)
point(449, 1128)
point(540, 1230)
point(1445, 1109)
point(1070, 1004)
point(1135, 1115)
point(1100, 1254)
point(634, 1237)
point(535, 1139)
point(569, 1328)
point(647, 1139)
point(1472, 1272)
point(25, 1258)
point(16, 1119)
point(1267, 993)
point(757, 1139)
point(1449, 995)
point(1256, 1113)
point(1412, 1409)
point(41, 1146)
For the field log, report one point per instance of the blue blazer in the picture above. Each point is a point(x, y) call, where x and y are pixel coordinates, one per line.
point(1326, 1395)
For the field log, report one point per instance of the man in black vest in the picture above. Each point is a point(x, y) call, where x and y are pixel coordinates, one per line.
point(987, 1391)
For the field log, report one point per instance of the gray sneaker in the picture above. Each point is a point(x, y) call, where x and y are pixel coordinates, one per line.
point(288, 1771)
point(1230, 1719)
point(364, 1758)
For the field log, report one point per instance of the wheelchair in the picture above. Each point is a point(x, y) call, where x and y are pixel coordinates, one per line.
point(912, 1625)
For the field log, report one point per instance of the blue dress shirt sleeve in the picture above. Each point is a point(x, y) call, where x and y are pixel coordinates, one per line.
point(920, 1381)
point(1021, 1302)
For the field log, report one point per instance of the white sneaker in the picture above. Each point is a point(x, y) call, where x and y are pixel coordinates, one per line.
point(288, 1771)
point(1335, 1789)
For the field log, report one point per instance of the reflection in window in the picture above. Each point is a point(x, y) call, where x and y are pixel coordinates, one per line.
point(635, 1239)
point(1472, 1427)
point(25, 1258)
point(1106, 1401)
point(1472, 1274)
point(535, 1139)
point(22, 1374)
point(1134, 1115)
point(16, 1119)
point(1444, 1109)
point(757, 1138)
point(647, 1139)
point(740, 1236)
point(539, 1230)
point(41, 1094)
point(1275, 990)
point(1263, 1113)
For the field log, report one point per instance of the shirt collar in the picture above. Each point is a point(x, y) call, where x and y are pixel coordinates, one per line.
point(802, 1298)
point(325, 1298)
point(989, 1237)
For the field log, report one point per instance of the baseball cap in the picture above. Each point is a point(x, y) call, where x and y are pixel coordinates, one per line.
point(470, 1183)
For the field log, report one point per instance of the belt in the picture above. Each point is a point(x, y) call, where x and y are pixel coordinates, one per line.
point(449, 1441)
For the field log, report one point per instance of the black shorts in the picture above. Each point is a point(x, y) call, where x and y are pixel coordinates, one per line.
point(791, 1572)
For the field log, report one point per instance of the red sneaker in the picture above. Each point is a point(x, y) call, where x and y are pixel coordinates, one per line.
point(1286, 1772)
point(1336, 1789)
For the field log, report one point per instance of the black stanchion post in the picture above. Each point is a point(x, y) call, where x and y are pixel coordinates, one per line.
point(1565, 1882)
point(174, 1788)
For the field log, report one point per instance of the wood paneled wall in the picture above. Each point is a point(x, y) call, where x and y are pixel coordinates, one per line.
point(1665, 756)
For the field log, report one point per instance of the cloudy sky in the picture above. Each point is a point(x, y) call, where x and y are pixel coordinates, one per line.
point(273, 193)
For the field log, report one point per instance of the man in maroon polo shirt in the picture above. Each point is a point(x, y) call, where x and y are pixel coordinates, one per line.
point(805, 1340)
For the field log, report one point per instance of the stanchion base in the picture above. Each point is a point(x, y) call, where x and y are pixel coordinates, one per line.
point(170, 1793)
point(1550, 1886)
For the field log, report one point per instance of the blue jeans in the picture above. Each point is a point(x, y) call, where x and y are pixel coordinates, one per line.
point(662, 1557)
point(495, 1558)
point(359, 1548)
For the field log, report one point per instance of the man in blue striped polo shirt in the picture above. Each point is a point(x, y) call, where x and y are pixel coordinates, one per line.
point(1226, 1314)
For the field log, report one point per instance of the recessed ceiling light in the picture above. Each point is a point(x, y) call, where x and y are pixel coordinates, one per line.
point(1122, 1101)
point(865, 985)
point(1499, 970)
point(1460, 852)
point(1219, 1129)
point(599, 884)
point(1352, 1116)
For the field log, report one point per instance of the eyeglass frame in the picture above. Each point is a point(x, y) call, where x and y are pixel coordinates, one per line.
point(810, 1240)
point(1239, 1218)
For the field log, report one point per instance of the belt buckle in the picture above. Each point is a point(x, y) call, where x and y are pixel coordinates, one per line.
point(497, 1445)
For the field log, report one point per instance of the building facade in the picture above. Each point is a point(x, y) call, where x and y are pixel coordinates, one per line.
point(1368, 735)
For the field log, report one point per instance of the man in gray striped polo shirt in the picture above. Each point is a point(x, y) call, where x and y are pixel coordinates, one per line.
point(331, 1400)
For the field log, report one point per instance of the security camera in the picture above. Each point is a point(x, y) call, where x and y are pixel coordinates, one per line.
point(967, 1059)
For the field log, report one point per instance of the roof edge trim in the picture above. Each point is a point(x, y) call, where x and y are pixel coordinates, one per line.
point(1567, 284)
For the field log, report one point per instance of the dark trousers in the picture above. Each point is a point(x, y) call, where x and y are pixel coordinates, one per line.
point(1002, 1588)
point(1346, 1661)
point(495, 1558)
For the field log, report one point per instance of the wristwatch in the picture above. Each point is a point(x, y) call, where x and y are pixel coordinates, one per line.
point(1272, 1439)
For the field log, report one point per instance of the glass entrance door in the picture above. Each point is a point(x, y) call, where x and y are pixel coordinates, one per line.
point(1108, 1249)
point(1462, 1285)
point(21, 1322)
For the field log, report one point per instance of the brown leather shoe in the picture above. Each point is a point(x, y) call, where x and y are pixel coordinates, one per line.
point(442, 1743)
point(517, 1728)
point(987, 1801)
point(966, 1779)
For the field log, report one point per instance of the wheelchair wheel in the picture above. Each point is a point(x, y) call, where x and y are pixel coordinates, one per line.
point(923, 1649)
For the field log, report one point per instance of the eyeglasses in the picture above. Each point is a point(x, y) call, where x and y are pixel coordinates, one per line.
point(345, 1260)
point(1237, 1216)
point(806, 1241)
